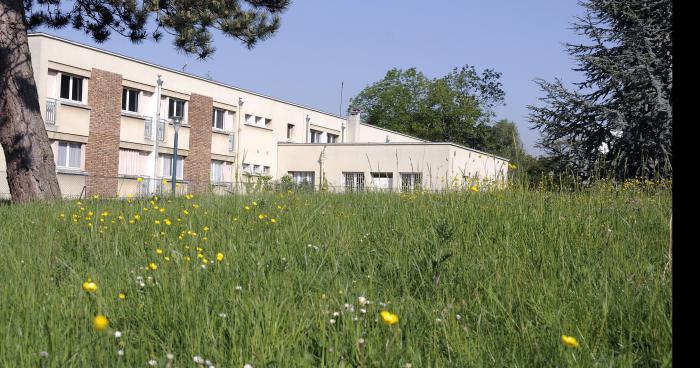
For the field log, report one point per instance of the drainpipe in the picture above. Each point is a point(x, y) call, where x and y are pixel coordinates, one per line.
point(159, 83)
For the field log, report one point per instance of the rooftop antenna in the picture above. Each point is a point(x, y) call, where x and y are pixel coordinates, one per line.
point(340, 110)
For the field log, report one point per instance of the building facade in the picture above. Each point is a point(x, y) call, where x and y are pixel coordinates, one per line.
point(111, 120)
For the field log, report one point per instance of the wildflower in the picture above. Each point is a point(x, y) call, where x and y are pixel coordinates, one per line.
point(247, 366)
point(89, 286)
point(157, 222)
point(100, 322)
point(222, 315)
point(165, 182)
point(153, 266)
point(153, 362)
point(569, 341)
point(389, 318)
point(167, 259)
point(261, 216)
point(159, 251)
point(161, 210)
point(273, 220)
point(363, 300)
point(332, 321)
point(219, 256)
point(62, 215)
point(44, 354)
point(247, 208)
point(186, 212)
point(139, 179)
point(187, 258)
point(169, 356)
point(239, 287)
point(121, 296)
point(198, 359)
point(206, 228)
point(117, 334)
point(120, 352)
point(474, 189)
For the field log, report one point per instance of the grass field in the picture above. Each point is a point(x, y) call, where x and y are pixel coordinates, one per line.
point(476, 279)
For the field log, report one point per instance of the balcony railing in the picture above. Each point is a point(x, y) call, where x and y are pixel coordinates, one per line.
point(51, 107)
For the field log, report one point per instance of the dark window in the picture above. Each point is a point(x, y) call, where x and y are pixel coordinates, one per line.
point(315, 136)
point(217, 119)
point(331, 138)
point(290, 130)
point(130, 100)
point(71, 87)
point(175, 108)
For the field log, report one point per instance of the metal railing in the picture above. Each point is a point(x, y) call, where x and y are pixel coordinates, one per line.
point(51, 108)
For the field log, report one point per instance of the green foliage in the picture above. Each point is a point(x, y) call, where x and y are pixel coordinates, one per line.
point(455, 108)
point(190, 21)
point(476, 279)
point(619, 119)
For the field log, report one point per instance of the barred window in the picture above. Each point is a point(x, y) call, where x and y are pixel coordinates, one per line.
point(354, 181)
point(411, 182)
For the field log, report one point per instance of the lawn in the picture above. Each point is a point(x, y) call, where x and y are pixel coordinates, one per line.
point(300, 279)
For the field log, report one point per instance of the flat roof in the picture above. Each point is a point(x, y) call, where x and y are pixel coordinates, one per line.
point(394, 144)
point(50, 36)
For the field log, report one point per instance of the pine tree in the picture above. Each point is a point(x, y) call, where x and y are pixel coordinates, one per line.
point(620, 117)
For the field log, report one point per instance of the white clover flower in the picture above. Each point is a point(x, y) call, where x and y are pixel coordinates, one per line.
point(362, 300)
point(239, 287)
point(170, 356)
point(117, 334)
point(44, 354)
point(458, 317)
point(363, 311)
point(336, 314)
point(152, 362)
point(332, 321)
point(120, 352)
point(198, 359)
point(207, 363)
point(360, 341)
point(247, 366)
point(438, 320)
point(223, 315)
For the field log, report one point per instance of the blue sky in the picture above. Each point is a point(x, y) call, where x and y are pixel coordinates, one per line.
point(324, 42)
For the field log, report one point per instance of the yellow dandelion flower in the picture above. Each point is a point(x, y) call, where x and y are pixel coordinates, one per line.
point(153, 266)
point(121, 296)
point(205, 261)
point(162, 210)
point(247, 208)
point(165, 182)
point(255, 203)
point(206, 228)
point(273, 220)
point(168, 222)
point(200, 255)
point(185, 212)
point(90, 213)
point(474, 189)
point(569, 341)
point(139, 179)
point(159, 251)
point(157, 222)
point(389, 318)
point(167, 259)
point(187, 258)
point(62, 215)
point(89, 286)
point(100, 323)
point(137, 217)
point(219, 256)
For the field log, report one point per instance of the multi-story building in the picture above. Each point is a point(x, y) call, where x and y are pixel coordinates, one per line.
point(111, 120)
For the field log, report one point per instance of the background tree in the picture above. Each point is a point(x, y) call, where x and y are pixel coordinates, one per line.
point(620, 117)
point(456, 108)
point(30, 164)
point(504, 140)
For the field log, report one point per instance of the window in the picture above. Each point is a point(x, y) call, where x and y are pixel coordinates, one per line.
point(133, 162)
point(71, 87)
point(176, 108)
point(249, 119)
point(217, 171)
point(331, 138)
point(315, 136)
point(167, 166)
point(266, 170)
point(268, 122)
point(382, 180)
point(246, 169)
point(354, 181)
point(217, 119)
point(411, 181)
point(69, 154)
point(130, 100)
point(302, 177)
point(290, 131)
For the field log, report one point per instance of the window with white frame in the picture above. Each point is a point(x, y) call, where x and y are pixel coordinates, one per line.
point(217, 171)
point(302, 177)
point(257, 169)
point(133, 162)
point(246, 169)
point(167, 166)
point(382, 180)
point(217, 119)
point(130, 100)
point(69, 155)
point(71, 87)
point(411, 182)
point(259, 121)
point(176, 108)
point(354, 181)
point(249, 119)
point(331, 138)
point(315, 136)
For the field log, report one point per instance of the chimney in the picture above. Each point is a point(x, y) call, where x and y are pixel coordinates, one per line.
point(353, 130)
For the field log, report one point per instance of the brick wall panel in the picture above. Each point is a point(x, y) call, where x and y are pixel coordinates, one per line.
point(198, 162)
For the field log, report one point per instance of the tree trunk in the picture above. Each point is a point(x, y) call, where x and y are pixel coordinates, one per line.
point(31, 171)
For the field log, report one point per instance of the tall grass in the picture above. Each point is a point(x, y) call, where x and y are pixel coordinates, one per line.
point(477, 279)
